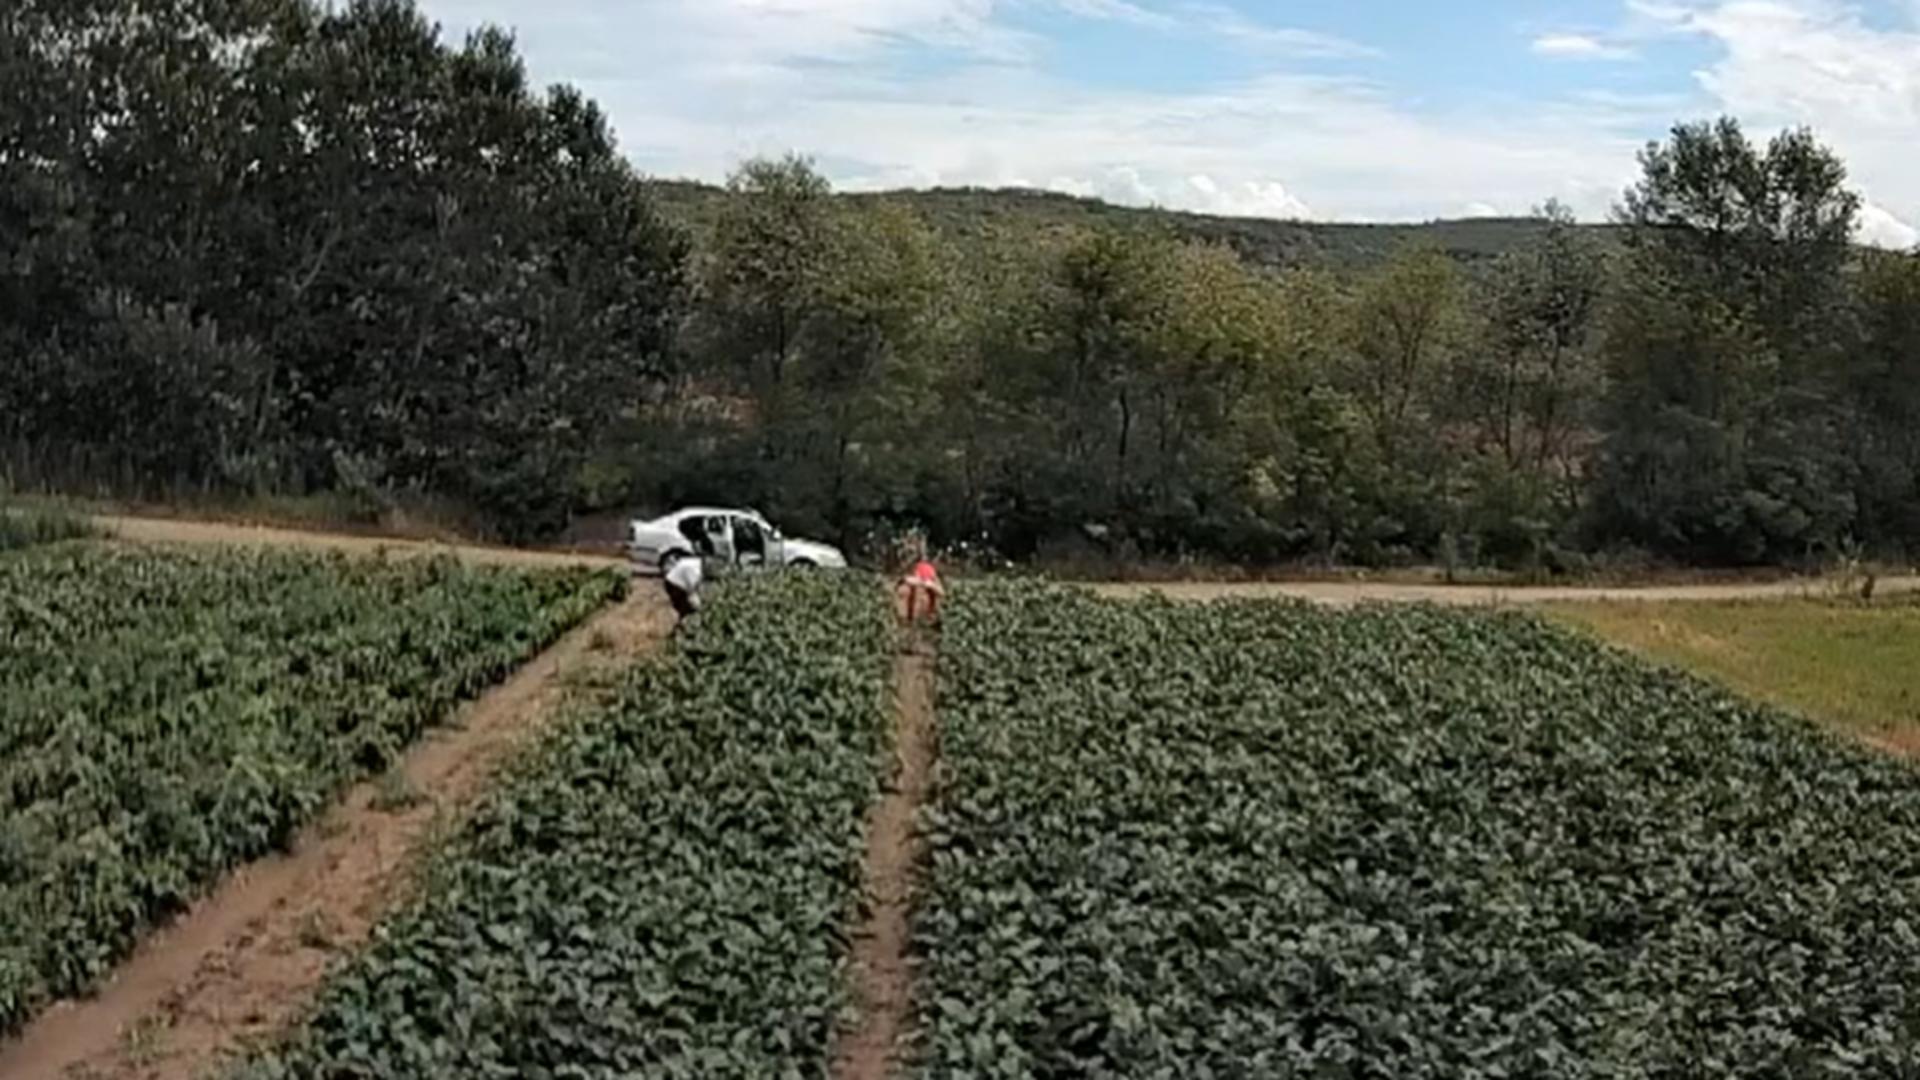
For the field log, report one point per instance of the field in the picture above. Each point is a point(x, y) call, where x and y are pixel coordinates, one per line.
point(1239, 838)
point(661, 891)
point(1257, 839)
point(1853, 665)
point(167, 716)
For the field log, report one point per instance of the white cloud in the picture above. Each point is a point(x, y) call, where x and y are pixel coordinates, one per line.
point(1119, 10)
point(1228, 23)
point(1818, 63)
point(1579, 47)
point(1881, 228)
point(1247, 198)
point(693, 86)
point(1480, 210)
point(1210, 18)
point(1280, 145)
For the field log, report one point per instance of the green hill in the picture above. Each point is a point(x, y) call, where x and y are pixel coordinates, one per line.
point(968, 211)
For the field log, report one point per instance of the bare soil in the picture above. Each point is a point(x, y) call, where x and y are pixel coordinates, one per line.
point(882, 967)
point(243, 963)
point(1353, 593)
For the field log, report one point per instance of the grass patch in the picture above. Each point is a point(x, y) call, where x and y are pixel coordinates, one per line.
point(1850, 664)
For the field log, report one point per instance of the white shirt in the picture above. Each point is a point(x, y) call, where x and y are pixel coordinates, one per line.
point(686, 575)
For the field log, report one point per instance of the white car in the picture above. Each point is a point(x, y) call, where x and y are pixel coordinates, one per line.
point(732, 537)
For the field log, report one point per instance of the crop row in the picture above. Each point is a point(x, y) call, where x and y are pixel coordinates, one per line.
point(24, 527)
point(661, 889)
point(166, 716)
point(1265, 840)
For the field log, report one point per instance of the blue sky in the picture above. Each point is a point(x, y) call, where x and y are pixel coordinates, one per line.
point(1362, 110)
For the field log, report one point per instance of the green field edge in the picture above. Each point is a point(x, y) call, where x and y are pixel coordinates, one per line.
point(91, 942)
point(661, 887)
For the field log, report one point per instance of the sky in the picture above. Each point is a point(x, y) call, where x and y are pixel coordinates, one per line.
point(1338, 110)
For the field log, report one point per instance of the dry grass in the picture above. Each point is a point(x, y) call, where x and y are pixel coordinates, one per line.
point(1851, 664)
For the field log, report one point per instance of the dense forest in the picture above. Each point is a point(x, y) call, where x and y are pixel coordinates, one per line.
point(274, 247)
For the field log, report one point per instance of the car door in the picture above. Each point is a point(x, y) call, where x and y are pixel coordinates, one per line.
point(720, 538)
point(749, 541)
point(694, 528)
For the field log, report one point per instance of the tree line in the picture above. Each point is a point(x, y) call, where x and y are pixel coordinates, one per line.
point(263, 245)
point(257, 245)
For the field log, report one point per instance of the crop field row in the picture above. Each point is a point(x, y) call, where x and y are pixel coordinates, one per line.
point(166, 716)
point(661, 889)
point(21, 527)
point(1266, 840)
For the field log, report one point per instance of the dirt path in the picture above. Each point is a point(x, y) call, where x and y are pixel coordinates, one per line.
point(882, 971)
point(243, 962)
point(1349, 594)
point(170, 531)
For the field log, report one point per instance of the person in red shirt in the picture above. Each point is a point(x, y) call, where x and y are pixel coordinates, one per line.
point(921, 587)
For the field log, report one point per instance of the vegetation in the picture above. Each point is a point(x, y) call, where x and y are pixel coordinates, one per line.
point(963, 215)
point(660, 890)
point(22, 527)
point(1214, 840)
point(330, 253)
point(164, 717)
point(1848, 663)
point(323, 251)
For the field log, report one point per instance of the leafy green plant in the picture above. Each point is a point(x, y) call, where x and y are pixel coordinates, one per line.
point(22, 527)
point(660, 889)
point(165, 716)
point(1266, 840)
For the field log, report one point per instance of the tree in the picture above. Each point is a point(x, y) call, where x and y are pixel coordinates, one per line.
point(1724, 442)
point(766, 263)
point(1543, 315)
point(1406, 322)
point(863, 371)
point(1884, 394)
point(298, 248)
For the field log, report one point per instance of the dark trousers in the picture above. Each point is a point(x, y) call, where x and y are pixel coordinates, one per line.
point(682, 600)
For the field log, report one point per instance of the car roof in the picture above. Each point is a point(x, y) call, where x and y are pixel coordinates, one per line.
point(701, 511)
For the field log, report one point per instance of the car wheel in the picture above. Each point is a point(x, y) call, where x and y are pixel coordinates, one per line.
point(803, 564)
point(669, 559)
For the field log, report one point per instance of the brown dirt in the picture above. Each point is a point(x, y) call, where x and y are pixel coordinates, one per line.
point(148, 530)
point(1349, 594)
point(1904, 742)
point(242, 963)
point(882, 968)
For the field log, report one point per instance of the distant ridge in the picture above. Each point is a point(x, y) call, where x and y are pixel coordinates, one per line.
point(964, 211)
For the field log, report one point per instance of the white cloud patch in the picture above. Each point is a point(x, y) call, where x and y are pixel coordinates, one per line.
point(694, 86)
point(1286, 41)
point(1878, 226)
point(1248, 198)
point(1119, 10)
point(1818, 63)
point(1579, 47)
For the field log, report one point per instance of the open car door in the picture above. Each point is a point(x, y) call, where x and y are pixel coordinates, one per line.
point(752, 544)
point(719, 543)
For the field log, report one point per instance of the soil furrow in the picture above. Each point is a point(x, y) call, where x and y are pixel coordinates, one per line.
point(882, 963)
point(243, 962)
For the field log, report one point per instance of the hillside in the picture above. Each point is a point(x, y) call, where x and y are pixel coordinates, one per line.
point(965, 211)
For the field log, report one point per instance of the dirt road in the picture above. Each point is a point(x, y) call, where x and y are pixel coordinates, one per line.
point(1332, 593)
point(1349, 594)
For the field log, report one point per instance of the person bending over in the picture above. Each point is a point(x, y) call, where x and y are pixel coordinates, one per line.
point(683, 580)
